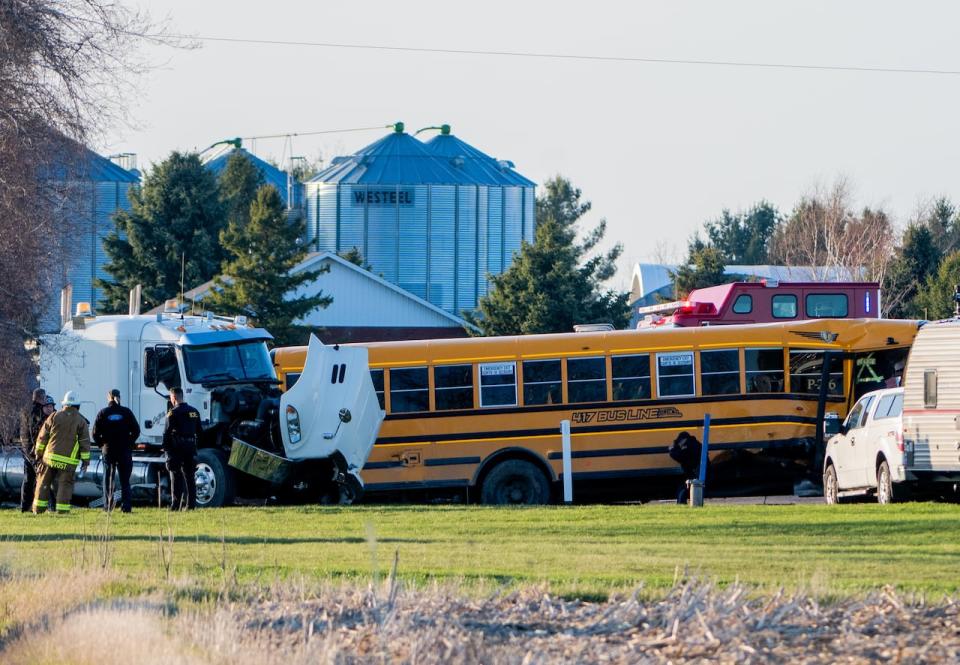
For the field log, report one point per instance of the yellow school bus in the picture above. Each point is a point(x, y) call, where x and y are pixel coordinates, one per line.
point(482, 415)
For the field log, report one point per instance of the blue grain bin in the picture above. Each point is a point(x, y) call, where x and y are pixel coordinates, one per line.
point(432, 225)
point(271, 174)
point(506, 201)
point(98, 189)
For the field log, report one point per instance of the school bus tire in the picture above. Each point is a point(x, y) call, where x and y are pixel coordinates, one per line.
point(515, 482)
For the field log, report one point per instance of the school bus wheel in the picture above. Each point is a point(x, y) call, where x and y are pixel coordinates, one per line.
point(515, 481)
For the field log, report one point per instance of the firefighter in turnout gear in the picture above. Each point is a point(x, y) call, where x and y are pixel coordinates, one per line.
point(180, 443)
point(63, 443)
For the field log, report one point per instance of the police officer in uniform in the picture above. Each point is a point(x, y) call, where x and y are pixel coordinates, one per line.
point(115, 430)
point(180, 436)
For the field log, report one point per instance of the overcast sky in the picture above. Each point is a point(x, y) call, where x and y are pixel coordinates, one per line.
point(658, 148)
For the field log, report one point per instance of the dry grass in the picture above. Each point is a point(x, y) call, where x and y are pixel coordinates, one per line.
point(299, 623)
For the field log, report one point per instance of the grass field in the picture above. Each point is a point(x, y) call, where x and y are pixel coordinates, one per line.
point(586, 551)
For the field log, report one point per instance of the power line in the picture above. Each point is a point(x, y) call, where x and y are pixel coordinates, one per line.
point(575, 56)
point(322, 131)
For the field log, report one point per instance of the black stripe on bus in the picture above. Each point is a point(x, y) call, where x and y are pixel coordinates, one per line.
point(579, 406)
point(382, 465)
point(662, 450)
point(619, 427)
point(451, 461)
point(626, 473)
point(415, 485)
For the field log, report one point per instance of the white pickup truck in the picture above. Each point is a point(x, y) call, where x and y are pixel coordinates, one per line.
point(867, 455)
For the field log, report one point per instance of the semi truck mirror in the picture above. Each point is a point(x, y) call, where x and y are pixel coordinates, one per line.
point(150, 367)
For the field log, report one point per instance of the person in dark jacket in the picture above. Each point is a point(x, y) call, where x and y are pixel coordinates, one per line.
point(180, 435)
point(685, 451)
point(115, 430)
point(30, 422)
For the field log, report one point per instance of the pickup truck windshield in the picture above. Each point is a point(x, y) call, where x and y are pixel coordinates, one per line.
point(228, 362)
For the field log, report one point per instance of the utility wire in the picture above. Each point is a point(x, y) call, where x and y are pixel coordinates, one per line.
point(582, 57)
point(323, 131)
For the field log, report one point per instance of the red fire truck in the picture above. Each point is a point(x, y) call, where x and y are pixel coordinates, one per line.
point(766, 301)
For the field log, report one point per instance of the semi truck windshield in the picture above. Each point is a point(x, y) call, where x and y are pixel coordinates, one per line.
point(228, 362)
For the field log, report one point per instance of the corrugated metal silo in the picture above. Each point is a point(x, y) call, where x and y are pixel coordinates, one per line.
point(98, 189)
point(422, 220)
point(505, 205)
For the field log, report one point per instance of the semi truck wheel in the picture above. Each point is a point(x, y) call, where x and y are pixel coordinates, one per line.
point(215, 481)
point(515, 482)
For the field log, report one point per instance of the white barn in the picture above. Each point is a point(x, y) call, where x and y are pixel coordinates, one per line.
point(365, 307)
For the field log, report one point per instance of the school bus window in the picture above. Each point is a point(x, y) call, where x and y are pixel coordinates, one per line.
point(409, 389)
point(541, 382)
point(631, 377)
point(784, 306)
point(292, 378)
point(675, 374)
point(720, 372)
point(764, 369)
point(586, 380)
point(453, 387)
point(377, 376)
point(806, 368)
point(498, 384)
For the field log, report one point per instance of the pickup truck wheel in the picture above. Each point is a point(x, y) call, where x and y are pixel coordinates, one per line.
point(215, 481)
point(885, 489)
point(831, 488)
point(515, 482)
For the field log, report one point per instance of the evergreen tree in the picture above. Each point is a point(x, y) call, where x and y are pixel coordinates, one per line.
point(555, 282)
point(944, 223)
point(917, 258)
point(175, 216)
point(256, 279)
point(704, 267)
point(355, 256)
point(935, 299)
point(238, 184)
point(743, 238)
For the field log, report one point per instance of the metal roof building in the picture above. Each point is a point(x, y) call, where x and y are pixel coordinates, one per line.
point(272, 175)
point(365, 307)
point(433, 219)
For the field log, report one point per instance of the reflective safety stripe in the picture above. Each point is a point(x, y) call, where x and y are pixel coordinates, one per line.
point(76, 447)
point(41, 504)
point(84, 456)
point(40, 448)
point(63, 507)
point(63, 459)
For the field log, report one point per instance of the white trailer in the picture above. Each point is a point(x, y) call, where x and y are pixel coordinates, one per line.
point(307, 444)
point(931, 407)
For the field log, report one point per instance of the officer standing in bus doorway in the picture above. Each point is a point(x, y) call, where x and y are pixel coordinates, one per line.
point(63, 443)
point(115, 430)
point(30, 422)
point(180, 436)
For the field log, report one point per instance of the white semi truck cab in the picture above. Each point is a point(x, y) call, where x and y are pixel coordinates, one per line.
point(307, 444)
